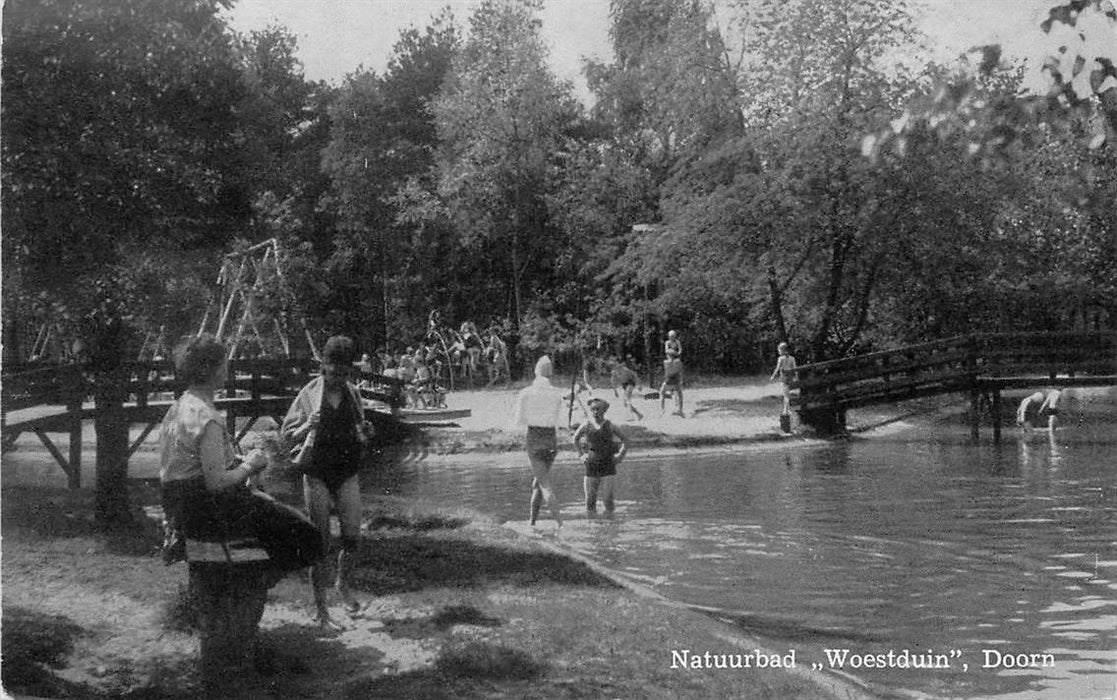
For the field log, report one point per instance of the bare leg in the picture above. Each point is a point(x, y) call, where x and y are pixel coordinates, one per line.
point(317, 498)
point(607, 493)
point(628, 402)
point(349, 515)
point(541, 468)
point(536, 501)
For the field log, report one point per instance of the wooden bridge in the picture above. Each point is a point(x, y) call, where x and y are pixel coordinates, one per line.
point(979, 366)
point(54, 399)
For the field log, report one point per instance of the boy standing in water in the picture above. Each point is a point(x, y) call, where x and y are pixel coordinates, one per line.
point(601, 447)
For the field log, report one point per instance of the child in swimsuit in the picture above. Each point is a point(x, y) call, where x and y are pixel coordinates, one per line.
point(601, 447)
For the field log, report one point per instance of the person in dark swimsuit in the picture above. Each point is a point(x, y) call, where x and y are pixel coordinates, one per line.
point(328, 418)
point(601, 447)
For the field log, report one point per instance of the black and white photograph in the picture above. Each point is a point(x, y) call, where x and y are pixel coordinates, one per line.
point(603, 349)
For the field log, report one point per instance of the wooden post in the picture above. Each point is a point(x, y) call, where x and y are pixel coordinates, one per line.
point(996, 416)
point(73, 412)
point(228, 602)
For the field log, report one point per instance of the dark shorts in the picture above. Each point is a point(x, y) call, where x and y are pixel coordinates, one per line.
point(541, 443)
point(673, 380)
point(597, 467)
point(628, 385)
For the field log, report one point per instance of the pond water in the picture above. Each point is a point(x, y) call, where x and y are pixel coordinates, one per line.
point(917, 541)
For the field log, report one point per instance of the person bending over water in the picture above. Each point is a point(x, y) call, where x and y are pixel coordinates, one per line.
point(1038, 406)
point(539, 410)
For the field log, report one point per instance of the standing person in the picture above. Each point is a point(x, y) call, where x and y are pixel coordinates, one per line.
point(327, 417)
point(206, 489)
point(539, 410)
point(785, 372)
point(601, 448)
point(623, 376)
point(672, 373)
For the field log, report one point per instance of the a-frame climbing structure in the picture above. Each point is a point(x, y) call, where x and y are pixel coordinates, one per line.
point(255, 306)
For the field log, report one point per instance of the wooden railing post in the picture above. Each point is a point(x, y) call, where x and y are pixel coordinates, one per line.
point(74, 403)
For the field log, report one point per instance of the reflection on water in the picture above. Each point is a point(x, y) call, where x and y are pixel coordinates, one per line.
point(904, 542)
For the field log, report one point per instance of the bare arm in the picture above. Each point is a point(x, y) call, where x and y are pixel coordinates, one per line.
point(216, 473)
point(622, 449)
point(578, 435)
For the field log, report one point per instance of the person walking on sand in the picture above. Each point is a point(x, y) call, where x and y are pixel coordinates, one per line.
point(785, 372)
point(327, 418)
point(539, 410)
point(672, 374)
point(621, 375)
point(601, 448)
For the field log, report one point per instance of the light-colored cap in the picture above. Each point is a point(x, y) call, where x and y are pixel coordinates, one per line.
point(544, 368)
point(671, 334)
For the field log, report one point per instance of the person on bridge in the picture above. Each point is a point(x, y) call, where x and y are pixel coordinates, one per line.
point(206, 489)
point(327, 418)
point(672, 373)
point(539, 410)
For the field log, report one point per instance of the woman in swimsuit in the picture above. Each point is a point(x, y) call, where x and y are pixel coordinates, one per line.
point(327, 417)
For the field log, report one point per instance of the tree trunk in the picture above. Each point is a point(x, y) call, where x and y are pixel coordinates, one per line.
point(110, 426)
point(777, 303)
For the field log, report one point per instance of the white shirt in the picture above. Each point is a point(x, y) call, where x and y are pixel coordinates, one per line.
point(539, 404)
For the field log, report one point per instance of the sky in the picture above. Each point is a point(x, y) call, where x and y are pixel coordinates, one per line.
point(336, 37)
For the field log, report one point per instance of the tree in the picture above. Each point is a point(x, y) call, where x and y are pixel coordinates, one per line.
point(382, 134)
point(501, 118)
point(119, 138)
point(1081, 74)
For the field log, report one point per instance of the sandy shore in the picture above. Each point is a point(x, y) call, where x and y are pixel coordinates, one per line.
point(740, 410)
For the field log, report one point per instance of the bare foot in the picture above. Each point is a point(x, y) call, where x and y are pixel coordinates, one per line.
point(348, 602)
point(326, 622)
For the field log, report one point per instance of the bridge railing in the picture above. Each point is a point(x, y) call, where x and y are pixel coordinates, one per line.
point(954, 364)
point(155, 381)
point(911, 371)
point(26, 386)
point(1045, 354)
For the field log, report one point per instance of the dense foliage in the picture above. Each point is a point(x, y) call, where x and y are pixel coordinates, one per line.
point(749, 171)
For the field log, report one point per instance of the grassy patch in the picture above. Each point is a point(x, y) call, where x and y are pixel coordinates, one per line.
point(441, 621)
point(33, 642)
point(479, 660)
point(456, 608)
point(411, 562)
